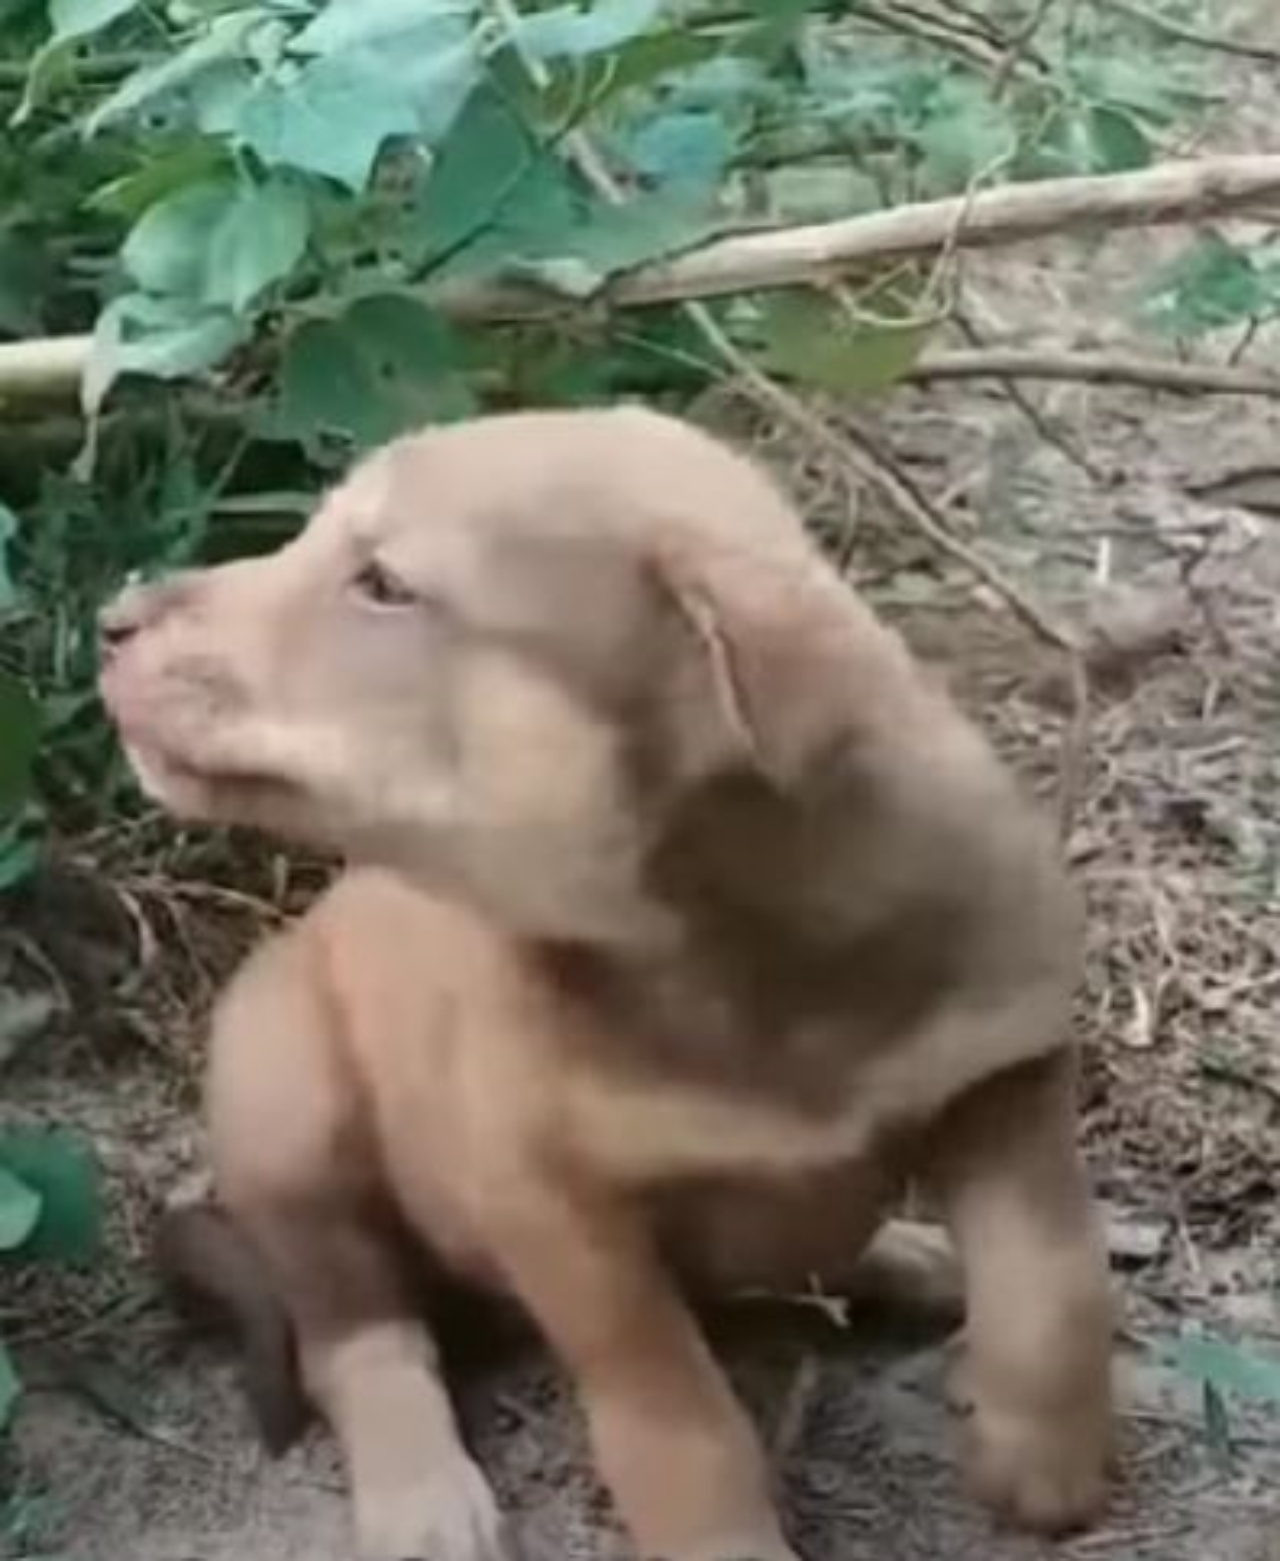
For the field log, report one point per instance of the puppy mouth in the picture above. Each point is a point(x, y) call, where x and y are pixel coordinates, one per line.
point(170, 764)
point(175, 782)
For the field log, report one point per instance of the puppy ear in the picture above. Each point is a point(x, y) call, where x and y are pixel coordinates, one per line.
point(753, 688)
point(711, 700)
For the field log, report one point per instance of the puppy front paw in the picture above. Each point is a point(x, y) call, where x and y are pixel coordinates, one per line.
point(1051, 1477)
point(450, 1515)
point(747, 1547)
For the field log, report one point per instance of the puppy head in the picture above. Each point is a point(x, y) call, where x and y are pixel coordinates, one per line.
point(496, 659)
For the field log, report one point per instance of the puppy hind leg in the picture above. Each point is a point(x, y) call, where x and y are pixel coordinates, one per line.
point(211, 1269)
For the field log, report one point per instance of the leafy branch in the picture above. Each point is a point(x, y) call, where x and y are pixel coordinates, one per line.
point(813, 255)
point(274, 169)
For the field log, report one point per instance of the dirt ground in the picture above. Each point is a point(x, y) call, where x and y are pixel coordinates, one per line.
point(135, 1443)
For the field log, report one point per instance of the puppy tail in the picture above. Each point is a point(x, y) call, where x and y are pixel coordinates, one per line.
point(213, 1271)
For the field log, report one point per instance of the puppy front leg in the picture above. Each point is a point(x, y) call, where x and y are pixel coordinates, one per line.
point(1035, 1374)
point(669, 1437)
point(291, 1164)
point(370, 1365)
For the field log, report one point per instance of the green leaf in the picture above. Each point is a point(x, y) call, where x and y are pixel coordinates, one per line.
point(651, 58)
point(389, 364)
point(228, 38)
point(1226, 1367)
point(19, 1211)
point(1126, 81)
point(723, 85)
point(348, 24)
point(8, 535)
point(1117, 141)
point(175, 169)
point(476, 169)
point(967, 133)
point(578, 31)
point(873, 97)
point(10, 1388)
point(651, 227)
point(812, 339)
point(52, 67)
point(59, 1167)
point(220, 242)
point(80, 18)
point(437, 83)
point(217, 97)
point(778, 27)
point(332, 119)
point(24, 282)
point(1079, 139)
point(165, 338)
point(497, 202)
point(1210, 285)
point(426, 56)
point(692, 146)
point(167, 251)
point(19, 740)
point(609, 240)
point(657, 353)
point(260, 239)
point(493, 191)
point(378, 69)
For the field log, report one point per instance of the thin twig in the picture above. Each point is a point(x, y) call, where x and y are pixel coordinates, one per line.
point(915, 506)
point(1194, 37)
point(1020, 48)
point(972, 19)
point(1073, 752)
point(861, 455)
point(93, 68)
point(939, 31)
point(796, 1404)
point(1042, 424)
point(1096, 368)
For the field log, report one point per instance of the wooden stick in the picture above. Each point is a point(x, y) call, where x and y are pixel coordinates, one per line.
point(52, 367)
point(1177, 191)
point(48, 366)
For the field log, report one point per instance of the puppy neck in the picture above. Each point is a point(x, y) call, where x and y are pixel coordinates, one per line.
point(781, 969)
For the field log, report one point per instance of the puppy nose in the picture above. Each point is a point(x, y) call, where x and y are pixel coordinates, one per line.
point(136, 607)
point(114, 629)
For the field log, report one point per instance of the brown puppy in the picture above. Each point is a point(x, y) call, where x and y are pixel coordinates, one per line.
point(733, 922)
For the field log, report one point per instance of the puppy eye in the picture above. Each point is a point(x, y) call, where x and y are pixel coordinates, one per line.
point(378, 585)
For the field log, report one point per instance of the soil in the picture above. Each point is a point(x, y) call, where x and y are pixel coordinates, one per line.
point(134, 1440)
